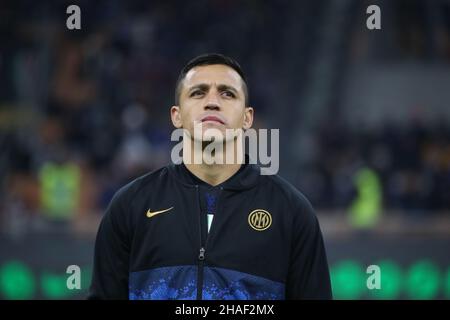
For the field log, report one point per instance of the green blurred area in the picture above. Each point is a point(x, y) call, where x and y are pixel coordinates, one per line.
point(422, 279)
point(19, 282)
point(366, 208)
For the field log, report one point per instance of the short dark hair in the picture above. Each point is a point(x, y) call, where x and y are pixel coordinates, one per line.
point(206, 60)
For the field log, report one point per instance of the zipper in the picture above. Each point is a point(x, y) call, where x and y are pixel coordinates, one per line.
point(201, 254)
point(203, 247)
point(201, 259)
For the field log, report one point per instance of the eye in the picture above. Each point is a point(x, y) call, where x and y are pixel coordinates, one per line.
point(229, 94)
point(196, 93)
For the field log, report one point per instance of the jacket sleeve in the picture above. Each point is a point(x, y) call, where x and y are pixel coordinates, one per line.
point(308, 276)
point(111, 256)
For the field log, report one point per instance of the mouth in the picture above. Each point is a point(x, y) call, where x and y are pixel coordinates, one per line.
point(212, 119)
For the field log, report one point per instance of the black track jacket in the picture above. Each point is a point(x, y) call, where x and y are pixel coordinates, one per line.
point(264, 242)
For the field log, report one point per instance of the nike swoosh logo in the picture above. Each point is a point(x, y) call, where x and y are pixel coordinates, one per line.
point(152, 214)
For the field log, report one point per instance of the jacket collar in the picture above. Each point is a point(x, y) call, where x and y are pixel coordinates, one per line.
point(245, 178)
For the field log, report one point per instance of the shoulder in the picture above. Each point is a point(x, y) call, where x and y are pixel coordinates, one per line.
point(287, 190)
point(140, 185)
point(119, 213)
point(282, 190)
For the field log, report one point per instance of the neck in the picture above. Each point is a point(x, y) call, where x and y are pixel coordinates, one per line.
point(213, 174)
point(211, 171)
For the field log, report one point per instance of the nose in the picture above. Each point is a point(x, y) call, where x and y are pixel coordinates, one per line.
point(212, 106)
point(212, 101)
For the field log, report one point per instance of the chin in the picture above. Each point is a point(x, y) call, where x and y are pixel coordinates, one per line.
point(214, 134)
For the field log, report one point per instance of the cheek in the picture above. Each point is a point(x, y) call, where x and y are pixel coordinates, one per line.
point(236, 121)
point(237, 116)
point(187, 120)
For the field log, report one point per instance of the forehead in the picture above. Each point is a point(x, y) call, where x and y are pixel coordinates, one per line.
point(213, 74)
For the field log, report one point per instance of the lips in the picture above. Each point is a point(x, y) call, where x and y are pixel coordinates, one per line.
point(213, 118)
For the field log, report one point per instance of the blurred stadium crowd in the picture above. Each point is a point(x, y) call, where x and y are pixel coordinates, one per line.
point(84, 112)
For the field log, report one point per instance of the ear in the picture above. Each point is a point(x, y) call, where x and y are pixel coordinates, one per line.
point(248, 118)
point(175, 115)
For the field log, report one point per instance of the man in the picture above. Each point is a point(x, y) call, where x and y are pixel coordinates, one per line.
point(210, 231)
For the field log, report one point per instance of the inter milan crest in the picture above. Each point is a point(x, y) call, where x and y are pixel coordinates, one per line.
point(259, 219)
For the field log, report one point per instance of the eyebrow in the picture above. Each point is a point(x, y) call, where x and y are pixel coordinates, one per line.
point(220, 87)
